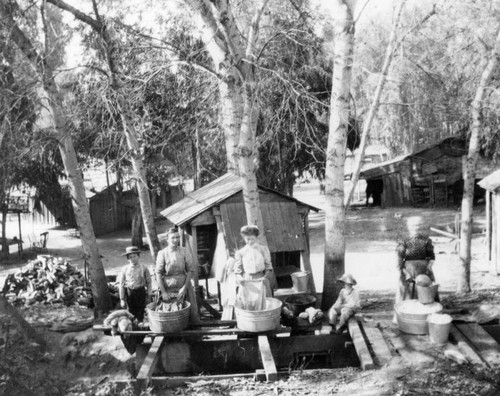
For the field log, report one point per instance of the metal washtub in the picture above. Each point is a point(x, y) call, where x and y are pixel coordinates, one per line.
point(168, 322)
point(415, 323)
point(257, 321)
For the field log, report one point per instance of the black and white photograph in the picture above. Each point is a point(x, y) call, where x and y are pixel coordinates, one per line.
point(249, 197)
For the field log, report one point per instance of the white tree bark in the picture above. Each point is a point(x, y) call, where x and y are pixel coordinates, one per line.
point(469, 170)
point(335, 154)
point(127, 118)
point(389, 54)
point(233, 57)
point(51, 117)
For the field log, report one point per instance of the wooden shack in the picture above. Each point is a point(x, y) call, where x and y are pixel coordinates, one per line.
point(111, 210)
point(491, 184)
point(211, 217)
point(429, 177)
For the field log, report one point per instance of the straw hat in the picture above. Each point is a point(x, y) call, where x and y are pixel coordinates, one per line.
point(250, 230)
point(348, 278)
point(131, 250)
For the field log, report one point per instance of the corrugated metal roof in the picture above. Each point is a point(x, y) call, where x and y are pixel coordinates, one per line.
point(213, 193)
point(282, 225)
point(491, 182)
point(385, 163)
point(453, 146)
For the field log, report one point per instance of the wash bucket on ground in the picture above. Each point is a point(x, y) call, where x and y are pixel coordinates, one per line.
point(168, 322)
point(257, 321)
point(412, 316)
point(439, 327)
point(427, 294)
point(300, 281)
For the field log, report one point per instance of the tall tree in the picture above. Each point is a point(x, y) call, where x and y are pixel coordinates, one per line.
point(111, 48)
point(470, 163)
point(52, 118)
point(234, 55)
point(367, 124)
point(343, 23)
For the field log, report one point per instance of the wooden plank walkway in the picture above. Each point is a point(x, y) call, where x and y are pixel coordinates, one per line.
point(365, 358)
point(463, 345)
point(267, 358)
point(146, 371)
point(378, 344)
point(485, 345)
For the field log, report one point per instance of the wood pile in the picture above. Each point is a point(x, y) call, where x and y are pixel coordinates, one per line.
point(48, 280)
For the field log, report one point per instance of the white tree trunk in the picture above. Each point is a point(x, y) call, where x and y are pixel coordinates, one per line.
point(246, 165)
point(231, 114)
point(136, 155)
point(51, 117)
point(132, 137)
point(389, 54)
point(335, 154)
point(239, 111)
point(469, 171)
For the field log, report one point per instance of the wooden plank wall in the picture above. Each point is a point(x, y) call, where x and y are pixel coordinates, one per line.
point(108, 215)
point(394, 190)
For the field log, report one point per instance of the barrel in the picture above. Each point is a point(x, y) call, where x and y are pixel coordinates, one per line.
point(257, 321)
point(427, 294)
point(300, 281)
point(439, 328)
point(168, 322)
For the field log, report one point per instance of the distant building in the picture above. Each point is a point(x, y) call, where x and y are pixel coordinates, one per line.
point(428, 177)
point(491, 184)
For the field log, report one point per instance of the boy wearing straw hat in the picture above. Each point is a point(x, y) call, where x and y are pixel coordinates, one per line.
point(347, 304)
point(134, 284)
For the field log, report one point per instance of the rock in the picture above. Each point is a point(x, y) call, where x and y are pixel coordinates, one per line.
point(486, 313)
point(455, 356)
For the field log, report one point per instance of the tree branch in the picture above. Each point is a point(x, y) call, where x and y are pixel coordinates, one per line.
point(77, 14)
point(18, 36)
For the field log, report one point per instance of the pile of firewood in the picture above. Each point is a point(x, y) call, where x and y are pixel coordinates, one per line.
point(48, 280)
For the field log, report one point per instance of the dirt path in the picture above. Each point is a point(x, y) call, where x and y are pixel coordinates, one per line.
point(371, 235)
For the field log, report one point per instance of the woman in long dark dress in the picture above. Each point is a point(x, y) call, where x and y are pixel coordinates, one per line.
point(415, 257)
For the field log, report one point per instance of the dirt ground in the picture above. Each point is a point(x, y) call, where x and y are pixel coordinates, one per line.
point(85, 363)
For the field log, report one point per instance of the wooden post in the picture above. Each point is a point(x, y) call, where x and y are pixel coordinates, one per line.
point(19, 224)
point(267, 358)
point(488, 230)
point(306, 258)
point(200, 302)
point(496, 216)
point(149, 364)
point(194, 247)
point(195, 308)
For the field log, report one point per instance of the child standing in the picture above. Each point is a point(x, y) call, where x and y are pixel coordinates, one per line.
point(134, 284)
point(347, 304)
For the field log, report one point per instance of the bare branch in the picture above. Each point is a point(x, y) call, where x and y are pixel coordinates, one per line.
point(18, 36)
point(77, 14)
